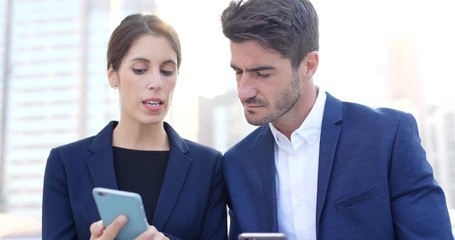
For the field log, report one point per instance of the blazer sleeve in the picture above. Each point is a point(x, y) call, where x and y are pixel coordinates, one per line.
point(57, 219)
point(418, 203)
point(215, 226)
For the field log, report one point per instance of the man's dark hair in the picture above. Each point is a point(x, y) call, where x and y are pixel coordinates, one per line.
point(290, 27)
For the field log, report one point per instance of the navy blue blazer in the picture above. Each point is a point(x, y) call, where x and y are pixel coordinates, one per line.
point(374, 181)
point(192, 201)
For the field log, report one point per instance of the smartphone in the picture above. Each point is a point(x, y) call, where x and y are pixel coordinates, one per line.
point(112, 203)
point(262, 236)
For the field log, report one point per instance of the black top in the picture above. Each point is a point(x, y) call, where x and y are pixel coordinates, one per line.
point(141, 172)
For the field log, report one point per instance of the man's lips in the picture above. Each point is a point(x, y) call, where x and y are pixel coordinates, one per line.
point(252, 103)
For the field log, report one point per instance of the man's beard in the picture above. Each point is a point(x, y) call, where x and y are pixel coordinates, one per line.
point(285, 102)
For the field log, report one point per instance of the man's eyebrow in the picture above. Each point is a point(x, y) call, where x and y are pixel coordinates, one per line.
point(255, 69)
point(260, 68)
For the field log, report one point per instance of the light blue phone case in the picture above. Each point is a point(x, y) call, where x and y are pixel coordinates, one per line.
point(111, 203)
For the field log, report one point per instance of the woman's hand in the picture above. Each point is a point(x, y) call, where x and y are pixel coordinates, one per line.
point(99, 233)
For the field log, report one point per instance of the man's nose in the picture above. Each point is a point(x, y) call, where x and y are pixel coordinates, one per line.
point(246, 88)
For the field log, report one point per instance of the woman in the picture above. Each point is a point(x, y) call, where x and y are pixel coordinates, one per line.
point(180, 182)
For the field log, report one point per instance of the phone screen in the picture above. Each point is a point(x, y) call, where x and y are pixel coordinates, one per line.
point(261, 236)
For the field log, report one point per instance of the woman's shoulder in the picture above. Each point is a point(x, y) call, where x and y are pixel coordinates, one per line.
point(199, 147)
point(81, 143)
point(98, 141)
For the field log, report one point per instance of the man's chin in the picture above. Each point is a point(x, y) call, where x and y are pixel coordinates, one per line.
point(255, 121)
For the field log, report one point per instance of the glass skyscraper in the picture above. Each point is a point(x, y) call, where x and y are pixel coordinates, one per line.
point(53, 85)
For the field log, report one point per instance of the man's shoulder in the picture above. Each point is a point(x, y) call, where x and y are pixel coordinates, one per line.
point(354, 109)
point(250, 140)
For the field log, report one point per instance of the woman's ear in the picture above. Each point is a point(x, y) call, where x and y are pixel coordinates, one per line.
point(112, 77)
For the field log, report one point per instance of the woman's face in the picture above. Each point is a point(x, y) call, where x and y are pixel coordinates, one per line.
point(146, 80)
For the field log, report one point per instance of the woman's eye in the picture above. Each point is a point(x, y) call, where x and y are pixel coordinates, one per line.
point(167, 72)
point(139, 70)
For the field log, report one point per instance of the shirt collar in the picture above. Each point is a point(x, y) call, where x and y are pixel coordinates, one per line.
point(310, 129)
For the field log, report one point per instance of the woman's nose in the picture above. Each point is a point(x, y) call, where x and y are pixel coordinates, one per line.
point(155, 80)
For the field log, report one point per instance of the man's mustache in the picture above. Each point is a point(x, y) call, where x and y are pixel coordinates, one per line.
point(253, 101)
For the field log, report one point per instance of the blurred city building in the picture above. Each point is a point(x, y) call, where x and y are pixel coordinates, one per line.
point(440, 133)
point(436, 123)
point(17, 227)
point(53, 87)
point(221, 121)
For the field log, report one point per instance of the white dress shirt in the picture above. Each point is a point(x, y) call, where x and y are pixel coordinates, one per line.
point(296, 164)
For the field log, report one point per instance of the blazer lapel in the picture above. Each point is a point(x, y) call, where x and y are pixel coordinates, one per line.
point(330, 132)
point(101, 164)
point(174, 178)
point(266, 161)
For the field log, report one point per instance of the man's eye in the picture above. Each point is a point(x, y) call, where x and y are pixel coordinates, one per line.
point(139, 70)
point(260, 75)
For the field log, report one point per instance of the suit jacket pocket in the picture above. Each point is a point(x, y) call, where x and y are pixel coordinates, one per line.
point(362, 196)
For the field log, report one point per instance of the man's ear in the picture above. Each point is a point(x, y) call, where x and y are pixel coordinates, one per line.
point(309, 65)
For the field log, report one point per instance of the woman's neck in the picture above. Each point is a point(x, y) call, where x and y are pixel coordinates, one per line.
point(140, 137)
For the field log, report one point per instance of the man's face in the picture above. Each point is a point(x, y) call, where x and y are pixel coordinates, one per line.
point(267, 86)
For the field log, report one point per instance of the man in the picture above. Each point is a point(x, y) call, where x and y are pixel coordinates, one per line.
point(318, 168)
